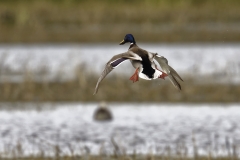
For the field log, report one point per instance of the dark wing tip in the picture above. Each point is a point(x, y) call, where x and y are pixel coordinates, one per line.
point(96, 89)
point(179, 77)
point(174, 82)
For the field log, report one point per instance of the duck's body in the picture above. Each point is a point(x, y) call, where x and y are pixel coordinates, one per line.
point(142, 61)
point(145, 67)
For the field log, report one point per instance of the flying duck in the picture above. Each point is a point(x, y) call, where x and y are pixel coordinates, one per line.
point(141, 60)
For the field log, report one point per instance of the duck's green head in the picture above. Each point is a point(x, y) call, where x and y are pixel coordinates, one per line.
point(128, 38)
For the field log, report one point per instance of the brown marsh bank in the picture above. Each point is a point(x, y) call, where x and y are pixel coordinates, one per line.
point(90, 21)
point(117, 89)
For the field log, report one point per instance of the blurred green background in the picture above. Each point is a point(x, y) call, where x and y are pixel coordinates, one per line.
point(34, 21)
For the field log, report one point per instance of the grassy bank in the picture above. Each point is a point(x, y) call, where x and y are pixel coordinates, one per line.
point(117, 89)
point(32, 21)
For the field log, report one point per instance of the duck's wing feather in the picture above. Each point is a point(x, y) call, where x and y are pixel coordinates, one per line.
point(172, 74)
point(113, 63)
point(106, 71)
point(175, 73)
point(174, 81)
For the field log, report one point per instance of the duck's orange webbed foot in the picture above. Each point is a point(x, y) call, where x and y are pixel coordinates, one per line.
point(163, 75)
point(134, 77)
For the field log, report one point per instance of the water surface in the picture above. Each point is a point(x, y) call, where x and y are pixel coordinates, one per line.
point(222, 60)
point(135, 127)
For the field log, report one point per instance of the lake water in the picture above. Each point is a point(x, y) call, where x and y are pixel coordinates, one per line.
point(143, 128)
point(218, 60)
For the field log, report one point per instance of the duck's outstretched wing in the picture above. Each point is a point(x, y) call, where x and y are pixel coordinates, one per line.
point(174, 81)
point(172, 74)
point(114, 62)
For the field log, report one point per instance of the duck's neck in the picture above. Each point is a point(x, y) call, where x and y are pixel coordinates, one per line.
point(132, 44)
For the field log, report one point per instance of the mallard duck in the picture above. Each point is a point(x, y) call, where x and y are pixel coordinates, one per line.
point(142, 61)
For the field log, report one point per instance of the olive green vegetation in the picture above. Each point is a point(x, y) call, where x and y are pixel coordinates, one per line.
point(33, 21)
point(117, 88)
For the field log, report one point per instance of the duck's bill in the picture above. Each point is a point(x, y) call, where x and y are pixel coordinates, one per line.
point(122, 42)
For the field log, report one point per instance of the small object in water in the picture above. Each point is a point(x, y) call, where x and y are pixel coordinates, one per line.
point(102, 113)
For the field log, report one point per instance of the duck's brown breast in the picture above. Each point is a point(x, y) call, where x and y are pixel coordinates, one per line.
point(146, 63)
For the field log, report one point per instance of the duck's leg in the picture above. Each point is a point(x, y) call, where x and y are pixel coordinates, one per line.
point(134, 77)
point(163, 75)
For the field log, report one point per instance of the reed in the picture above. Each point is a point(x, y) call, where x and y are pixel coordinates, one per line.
point(117, 152)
